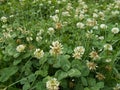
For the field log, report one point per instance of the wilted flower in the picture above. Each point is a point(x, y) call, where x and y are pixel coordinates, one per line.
point(91, 65)
point(108, 47)
point(38, 53)
point(20, 48)
point(52, 84)
point(4, 19)
point(94, 55)
point(115, 30)
point(100, 76)
point(58, 25)
point(56, 48)
point(78, 52)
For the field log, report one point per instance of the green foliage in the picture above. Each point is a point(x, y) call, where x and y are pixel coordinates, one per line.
point(72, 44)
point(6, 73)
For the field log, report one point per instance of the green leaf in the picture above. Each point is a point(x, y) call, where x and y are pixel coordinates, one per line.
point(84, 81)
point(77, 64)
point(100, 85)
point(74, 73)
point(31, 77)
point(65, 63)
point(43, 71)
point(61, 74)
point(94, 88)
point(16, 55)
point(91, 81)
point(86, 88)
point(16, 62)
point(85, 71)
point(26, 86)
point(6, 73)
point(40, 86)
point(57, 64)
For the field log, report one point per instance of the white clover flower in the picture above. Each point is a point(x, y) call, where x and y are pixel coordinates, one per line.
point(95, 15)
point(38, 53)
point(57, 11)
point(95, 27)
point(101, 37)
point(115, 30)
point(117, 87)
point(56, 48)
point(66, 13)
point(7, 35)
point(80, 25)
point(108, 47)
point(49, 1)
point(4, 19)
point(103, 26)
point(91, 22)
point(78, 52)
point(108, 60)
point(69, 6)
point(52, 84)
point(38, 38)
point(55, 18)
point(11, 16)
point(115, 12)
point(81, 16)
point(101, 15)
point(89, 34)
point(51, 31)
point(20, 48)
point(29, 39)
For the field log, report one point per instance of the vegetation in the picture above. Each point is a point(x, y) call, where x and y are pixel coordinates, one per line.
point(59, 45)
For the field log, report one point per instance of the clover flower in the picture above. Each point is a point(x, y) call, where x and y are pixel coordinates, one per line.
point(100, 76)
point(38, 53)
point(117, 87)
point(94, 55)
point(56, 48)
point(20, 48)
point(103, 26)
point(91, 65)
point(51, 31)
point(65, 13)
point(4, 19)
point(108, 47)
point(115, 30)
point(80, 25)
point(55, 18)
point(78, 52)
point(52, 84)
point(91, 22)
